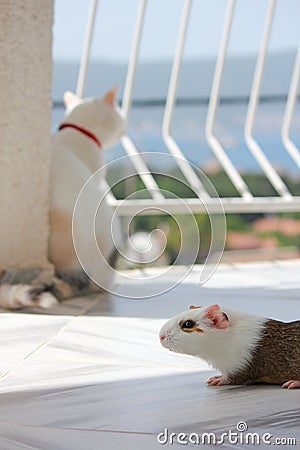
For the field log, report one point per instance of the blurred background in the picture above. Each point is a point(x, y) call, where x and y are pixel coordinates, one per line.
point(249, 236)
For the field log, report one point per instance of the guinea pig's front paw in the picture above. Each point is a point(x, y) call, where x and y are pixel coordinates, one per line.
point(292, 384)
point(218, 380)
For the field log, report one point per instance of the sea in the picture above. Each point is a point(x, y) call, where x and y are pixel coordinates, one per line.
point(189, 117)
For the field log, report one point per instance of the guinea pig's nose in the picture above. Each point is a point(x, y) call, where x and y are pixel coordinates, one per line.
point(165, 339)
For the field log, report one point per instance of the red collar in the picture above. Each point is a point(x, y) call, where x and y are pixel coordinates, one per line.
point(82, 130)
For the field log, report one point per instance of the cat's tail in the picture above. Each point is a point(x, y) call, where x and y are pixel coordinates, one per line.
point(16, 292)
point(16, 296)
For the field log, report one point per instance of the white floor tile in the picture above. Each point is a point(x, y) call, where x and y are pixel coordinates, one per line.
point(91, 373)
point(14, 437)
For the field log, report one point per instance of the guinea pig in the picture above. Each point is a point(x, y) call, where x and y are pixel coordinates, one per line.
point(245, 348)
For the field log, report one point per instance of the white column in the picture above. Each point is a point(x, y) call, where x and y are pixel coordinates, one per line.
point(25, 99)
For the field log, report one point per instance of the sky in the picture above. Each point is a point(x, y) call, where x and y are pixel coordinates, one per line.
point(116, 18)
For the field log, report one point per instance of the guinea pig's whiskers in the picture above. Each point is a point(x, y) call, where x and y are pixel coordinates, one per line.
point(173, 346)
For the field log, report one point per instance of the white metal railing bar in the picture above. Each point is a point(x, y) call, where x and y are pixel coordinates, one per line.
point(130, 207)
point(214, 143)
point(142, 169)
point(133, 58)
point(289, 110)
point(171, 144)
point(84, 64)
point(127, 143)
point(257, 152)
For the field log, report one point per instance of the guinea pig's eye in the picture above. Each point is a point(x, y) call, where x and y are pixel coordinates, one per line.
point(188, 324)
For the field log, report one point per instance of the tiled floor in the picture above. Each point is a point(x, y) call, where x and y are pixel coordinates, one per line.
point(91, 374)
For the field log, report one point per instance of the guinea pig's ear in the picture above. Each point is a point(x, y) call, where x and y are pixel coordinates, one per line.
point(194, 307)
point(218, 318)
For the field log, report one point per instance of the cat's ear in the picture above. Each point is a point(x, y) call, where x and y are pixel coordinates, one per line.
point(70, 98)
point(111, 97)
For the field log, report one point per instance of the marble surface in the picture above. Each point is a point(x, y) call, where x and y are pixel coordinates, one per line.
point(91, 374)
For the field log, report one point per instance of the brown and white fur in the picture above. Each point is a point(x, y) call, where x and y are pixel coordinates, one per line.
point(74, 158)
point(245, 348)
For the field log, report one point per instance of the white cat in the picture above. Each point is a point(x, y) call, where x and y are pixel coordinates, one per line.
point(89, 127)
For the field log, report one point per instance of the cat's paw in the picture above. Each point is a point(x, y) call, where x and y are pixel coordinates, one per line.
point(16, 296)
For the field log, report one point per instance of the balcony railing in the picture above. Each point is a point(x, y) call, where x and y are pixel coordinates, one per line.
point(282, 200)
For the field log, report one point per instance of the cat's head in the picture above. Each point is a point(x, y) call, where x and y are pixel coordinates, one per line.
point(102, 117)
